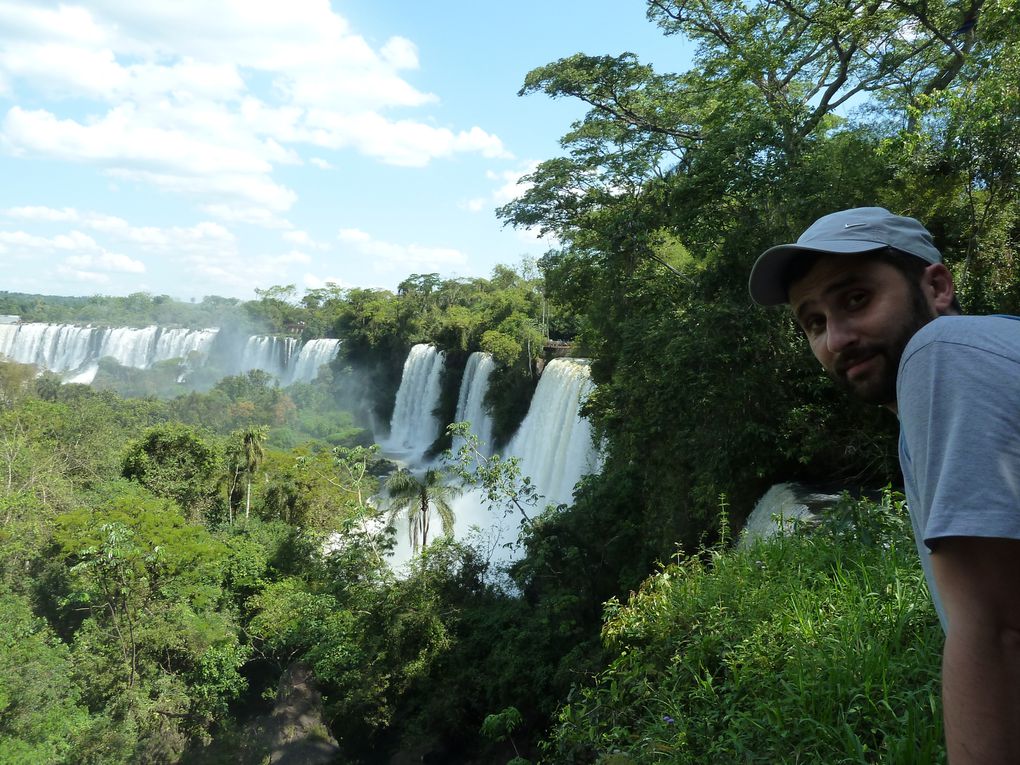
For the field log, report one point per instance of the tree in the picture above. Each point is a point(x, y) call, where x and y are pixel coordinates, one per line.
point(152, 643)
point(252, 453)
point(176, 461)
point(418, 497)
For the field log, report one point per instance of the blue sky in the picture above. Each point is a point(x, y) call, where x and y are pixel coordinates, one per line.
point(195, 148)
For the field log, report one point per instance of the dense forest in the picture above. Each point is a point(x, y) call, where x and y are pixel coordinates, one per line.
point(167, 558)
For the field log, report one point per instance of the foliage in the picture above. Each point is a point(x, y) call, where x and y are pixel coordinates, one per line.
point(417, 497)
point(177, 462)
point(154, 645)
point(43, 718)
point(817, 648)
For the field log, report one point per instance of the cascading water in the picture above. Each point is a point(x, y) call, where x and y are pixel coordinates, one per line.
point(470, 401)
point(56, 347)
point(270, 354)
point(312, 355)
point(74, 351)
point(181, 343)
point(554, 448)
point(553, 443)
point(413, 427)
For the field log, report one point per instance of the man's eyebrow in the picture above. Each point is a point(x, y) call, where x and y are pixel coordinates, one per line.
point(847, 281)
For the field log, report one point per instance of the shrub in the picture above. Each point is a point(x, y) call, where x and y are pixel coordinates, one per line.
point(812, 647)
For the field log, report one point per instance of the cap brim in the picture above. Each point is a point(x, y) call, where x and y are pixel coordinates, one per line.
point(766, 282)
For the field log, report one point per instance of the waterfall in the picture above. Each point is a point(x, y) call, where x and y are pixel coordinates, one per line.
point(181, 343)
point(56, 347)
point(413, 427)
point(473, 387)
point(268, 353)
point(312, 355)
point(554, 447)
point(74, 351)
point(554, 441)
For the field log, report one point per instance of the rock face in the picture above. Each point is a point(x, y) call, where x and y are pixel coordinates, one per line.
point(782, 506)
point(294, 733)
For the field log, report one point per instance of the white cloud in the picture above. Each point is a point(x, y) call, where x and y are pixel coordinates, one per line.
point(41, 213)
point(400, 53)
point(207, 99)
point(511, 182)
point(106, 261)
point(304, 239)
point(289, 258)
point(21, 240)
point(313, 282)
point(86, 277)
point(401, 142)
point(321, 163)
point(510, 186)
point(401, 258)
point(75, 240)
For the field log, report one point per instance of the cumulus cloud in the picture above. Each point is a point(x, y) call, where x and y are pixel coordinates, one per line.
point(511, 182)
point(84, 277)
point(510, 185)
point(388, 257)
point(106, 261)
point(208, 99)
point(304, 239)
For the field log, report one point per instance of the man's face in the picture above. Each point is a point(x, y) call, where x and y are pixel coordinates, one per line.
point(858, 315)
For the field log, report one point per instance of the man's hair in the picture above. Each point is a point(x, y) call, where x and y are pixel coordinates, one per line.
point(909, 265)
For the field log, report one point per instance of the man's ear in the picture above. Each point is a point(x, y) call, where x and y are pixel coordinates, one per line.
point(937, 283)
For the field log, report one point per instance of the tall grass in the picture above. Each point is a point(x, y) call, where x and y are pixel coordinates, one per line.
point(816, 647)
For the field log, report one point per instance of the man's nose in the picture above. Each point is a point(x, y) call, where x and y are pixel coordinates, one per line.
point(839, 335)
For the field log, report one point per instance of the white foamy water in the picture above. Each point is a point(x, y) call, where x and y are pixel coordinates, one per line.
point(73, 351)
point(313, 354)
point(554, 449)
point(413, 427)
point(470, 401)
point(554, 441)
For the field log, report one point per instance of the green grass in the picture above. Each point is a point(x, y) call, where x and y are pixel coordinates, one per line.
point(820, 647)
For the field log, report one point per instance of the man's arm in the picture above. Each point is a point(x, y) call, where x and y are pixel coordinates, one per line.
point(979, 581)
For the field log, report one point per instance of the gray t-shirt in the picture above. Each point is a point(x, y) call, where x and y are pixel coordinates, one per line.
point(958, 396)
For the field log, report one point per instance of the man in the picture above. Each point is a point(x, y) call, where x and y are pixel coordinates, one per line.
point(879, 311)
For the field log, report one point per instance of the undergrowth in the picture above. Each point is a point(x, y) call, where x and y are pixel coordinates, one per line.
point(820, 646)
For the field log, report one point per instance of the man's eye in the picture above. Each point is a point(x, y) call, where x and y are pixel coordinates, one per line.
point(856, 299)
point(814, 325)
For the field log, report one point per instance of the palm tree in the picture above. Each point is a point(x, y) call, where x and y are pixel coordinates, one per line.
point(252, 454)
point(246, 454)
point(418, 497)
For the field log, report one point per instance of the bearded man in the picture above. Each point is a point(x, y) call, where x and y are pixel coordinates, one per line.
point(879, 310)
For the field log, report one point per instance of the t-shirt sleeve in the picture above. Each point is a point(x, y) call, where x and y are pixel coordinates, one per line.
point(959, 409)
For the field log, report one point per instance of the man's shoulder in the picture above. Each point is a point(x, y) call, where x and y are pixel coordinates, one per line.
point(994, 334)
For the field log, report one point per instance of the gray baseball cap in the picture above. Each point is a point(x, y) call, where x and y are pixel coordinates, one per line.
point(863, 229)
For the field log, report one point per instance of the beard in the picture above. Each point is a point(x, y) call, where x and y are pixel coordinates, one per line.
point(878, 386)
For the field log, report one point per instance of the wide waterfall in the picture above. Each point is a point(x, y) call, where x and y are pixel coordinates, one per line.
point(73, 351)
point(554, 443)
point(413, 426)
point(470, 401)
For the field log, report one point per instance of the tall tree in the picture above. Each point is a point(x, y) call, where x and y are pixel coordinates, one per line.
point(246, 454)
point(418, 497)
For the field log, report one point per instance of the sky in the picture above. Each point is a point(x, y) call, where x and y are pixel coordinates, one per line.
point(205, 148)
